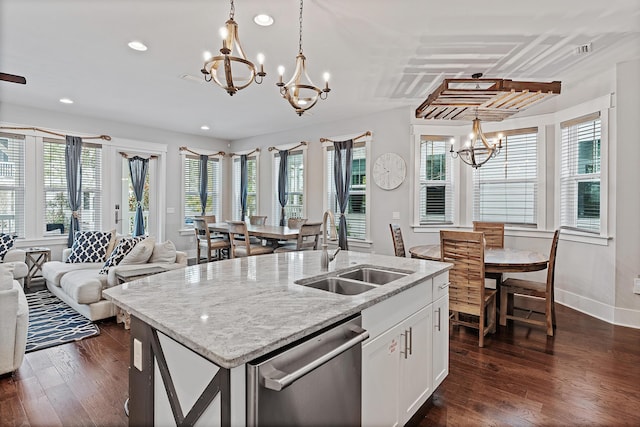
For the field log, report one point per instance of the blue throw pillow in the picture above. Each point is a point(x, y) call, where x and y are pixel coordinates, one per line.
point(6, 243)
point(120, 251)
point(89, 246)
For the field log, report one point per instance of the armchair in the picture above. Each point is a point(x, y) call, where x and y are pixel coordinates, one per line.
point(14, 318)
point(15, 259)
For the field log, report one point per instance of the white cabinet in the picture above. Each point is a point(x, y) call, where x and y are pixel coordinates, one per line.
point(440, 340)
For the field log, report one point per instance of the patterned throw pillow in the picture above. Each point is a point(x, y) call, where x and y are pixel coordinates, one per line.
point(89, 246)
point(6, 243)
point(120, 251)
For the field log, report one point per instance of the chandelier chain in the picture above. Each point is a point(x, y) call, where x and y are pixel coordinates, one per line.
point(300, 20)
point(232, 12)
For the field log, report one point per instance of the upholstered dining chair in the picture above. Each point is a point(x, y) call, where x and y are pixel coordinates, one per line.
point(398, 243)
point(540, 290)
point(205, 242)
point(308, 238)
point(241, 245)
point(467, 294)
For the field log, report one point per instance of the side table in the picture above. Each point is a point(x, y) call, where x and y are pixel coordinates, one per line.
point(35, 259)
point(127, 276)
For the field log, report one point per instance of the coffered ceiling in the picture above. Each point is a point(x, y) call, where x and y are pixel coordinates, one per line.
point(381, 54)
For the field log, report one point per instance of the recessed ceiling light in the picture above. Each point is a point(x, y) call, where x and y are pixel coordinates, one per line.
point(263, 20)
point(66, 101)
point(204, 127)
point(136, 45)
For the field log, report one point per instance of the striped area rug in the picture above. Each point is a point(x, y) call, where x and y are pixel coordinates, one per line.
point(52, 322)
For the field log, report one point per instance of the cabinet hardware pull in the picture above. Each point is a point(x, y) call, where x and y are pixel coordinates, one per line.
point(406, 344)
point(439, 321)
point(443, 286)
point(410, 340)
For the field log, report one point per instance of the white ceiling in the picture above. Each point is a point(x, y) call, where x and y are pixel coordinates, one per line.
point(381, 54)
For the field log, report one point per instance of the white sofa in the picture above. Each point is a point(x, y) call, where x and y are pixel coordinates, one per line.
point(14, 321)
point(14, 260)
point(80, 285)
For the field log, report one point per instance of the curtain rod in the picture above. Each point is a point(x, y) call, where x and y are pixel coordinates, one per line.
point(126, 156)
point(219, 153)
point(367, 133)
point(105, 137)
point(255, 150)
point(302, 143)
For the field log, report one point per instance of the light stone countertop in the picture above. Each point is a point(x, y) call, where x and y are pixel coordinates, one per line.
point(234, 311)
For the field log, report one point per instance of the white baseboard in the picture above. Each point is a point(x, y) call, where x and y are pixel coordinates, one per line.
point(610, 314)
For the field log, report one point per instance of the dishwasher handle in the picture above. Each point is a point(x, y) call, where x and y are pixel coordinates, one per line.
point(277, 384)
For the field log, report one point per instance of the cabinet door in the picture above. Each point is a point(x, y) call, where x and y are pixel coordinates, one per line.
point(440, 340)
point(415, 363)
point(380, 381)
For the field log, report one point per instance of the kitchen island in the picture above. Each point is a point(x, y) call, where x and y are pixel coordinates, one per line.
point(195, 329)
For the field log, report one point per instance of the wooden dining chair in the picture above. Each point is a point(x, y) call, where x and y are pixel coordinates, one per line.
point(212, 247)
point(295, 223)
point(398, 243)
point(467, 294)
point(257, 220)
point(540, 290)
point(241, 245)
point(493, 233)
point(308, 238)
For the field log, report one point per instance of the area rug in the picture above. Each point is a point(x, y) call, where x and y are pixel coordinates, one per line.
point(52, 322)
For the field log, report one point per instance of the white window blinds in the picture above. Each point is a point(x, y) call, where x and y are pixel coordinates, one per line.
point(192, 206)
point(436, 182)
point(580, 174)
point(252, 187)
point(505, 188)
point(357, 204)
point(56, 201)
point(295, 199)
point(12, 184)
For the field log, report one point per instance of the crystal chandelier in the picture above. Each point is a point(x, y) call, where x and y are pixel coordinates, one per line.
point(478, 150)
point(300, 94)
point(224, 68)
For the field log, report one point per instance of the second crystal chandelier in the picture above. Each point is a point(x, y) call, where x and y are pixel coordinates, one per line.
point(301, 94)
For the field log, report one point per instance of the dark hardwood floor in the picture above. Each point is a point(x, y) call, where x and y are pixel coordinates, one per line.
point(588, 374)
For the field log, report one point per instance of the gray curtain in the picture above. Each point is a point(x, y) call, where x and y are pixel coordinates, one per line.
point(283, 182)
point(244, 178)
point(204, 179)
point(342, 182)
point(72, 157)
point(138, 171)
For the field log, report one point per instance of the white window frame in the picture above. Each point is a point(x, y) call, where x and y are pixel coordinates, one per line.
point(601, 105)
point(275, 212)
point(325, 184)
point(235, 191)
point(448, 182)
point(18, 188)
point(183, 170)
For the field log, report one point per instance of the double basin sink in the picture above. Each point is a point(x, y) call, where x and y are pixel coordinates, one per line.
point(354, 281)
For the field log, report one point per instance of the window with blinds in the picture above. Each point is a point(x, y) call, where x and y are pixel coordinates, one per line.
point(56, 201)
point(192, 206)
point(252, 187)
point(357, 204)
point(12, 184)
point(295, 199)
point(505, 188)
point(580, 174)
point(436, 181)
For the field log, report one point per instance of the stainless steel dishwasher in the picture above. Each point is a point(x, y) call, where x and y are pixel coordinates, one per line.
point(313, 382)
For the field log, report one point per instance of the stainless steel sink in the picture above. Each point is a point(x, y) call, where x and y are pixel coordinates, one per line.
point(372, 275)
point(337, 285)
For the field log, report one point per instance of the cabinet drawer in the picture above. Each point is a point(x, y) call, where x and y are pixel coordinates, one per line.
point(440, 285)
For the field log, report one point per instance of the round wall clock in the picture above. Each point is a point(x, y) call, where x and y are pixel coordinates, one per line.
point(389, 171)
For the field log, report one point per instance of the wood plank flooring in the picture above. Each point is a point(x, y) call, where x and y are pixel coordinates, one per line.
point(588, 374)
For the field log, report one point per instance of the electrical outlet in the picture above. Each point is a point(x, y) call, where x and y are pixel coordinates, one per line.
point(137, 354)
point(636, 285)
point(395, 215)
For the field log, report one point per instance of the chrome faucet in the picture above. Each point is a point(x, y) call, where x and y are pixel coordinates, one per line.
point(326, 258)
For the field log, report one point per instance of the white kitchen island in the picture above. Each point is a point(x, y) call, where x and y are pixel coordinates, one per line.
point(195, 329)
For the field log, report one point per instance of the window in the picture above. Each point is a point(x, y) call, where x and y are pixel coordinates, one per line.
point(505, 188)
point(295, 199)
point(252, 187)
point(12, 184)
point(580, 174)
point(56, 201)
point(192, 206)
point(436, 181)
point(356, 212)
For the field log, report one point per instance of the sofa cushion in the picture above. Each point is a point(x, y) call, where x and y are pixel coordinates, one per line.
point(53, 271)
point(164, 253)
point(89, 246)
point(6, 243)
point(83, 286)
point(6, 279)
point(140, 253)
point(120, 251)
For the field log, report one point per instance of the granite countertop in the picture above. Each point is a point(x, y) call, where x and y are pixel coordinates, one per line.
point(236, 310)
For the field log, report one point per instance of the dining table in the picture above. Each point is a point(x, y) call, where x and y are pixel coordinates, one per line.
point(267, 232)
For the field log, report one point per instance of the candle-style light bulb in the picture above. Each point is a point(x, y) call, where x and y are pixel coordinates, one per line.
point(261, 58)
point(224, 33)
point(281, 73)
point(326, 80)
